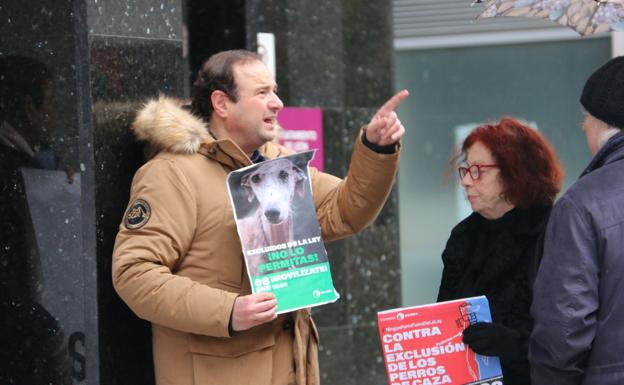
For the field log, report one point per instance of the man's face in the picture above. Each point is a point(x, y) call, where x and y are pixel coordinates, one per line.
point(251, 120)
point(38, 126)
point(593, 128)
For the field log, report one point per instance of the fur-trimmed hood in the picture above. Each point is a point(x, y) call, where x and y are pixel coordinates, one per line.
point(166, 125)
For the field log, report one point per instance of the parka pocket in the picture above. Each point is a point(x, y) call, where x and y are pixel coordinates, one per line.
point(240, 343)
point(245, 357)
point(252, 368)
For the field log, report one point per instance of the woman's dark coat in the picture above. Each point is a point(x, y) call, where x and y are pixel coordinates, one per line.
point(498, 259)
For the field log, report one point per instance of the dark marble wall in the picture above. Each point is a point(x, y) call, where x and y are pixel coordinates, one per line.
point(48, 327)
point(135, 53)
point(213, 26)
point(338, 55)
point(72, 73)
point(89, 65)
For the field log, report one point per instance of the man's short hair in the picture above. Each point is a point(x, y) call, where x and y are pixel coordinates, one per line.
point(217, 74)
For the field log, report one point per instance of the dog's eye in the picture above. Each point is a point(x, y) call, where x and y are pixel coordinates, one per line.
point(283, 175)
point(255, 178)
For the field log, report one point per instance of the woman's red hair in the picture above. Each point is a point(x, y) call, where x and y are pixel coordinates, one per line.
point(529, 167)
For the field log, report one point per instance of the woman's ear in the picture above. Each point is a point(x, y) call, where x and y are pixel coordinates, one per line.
point(219, 101)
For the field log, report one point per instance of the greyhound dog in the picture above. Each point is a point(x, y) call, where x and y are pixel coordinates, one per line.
point(274, 184)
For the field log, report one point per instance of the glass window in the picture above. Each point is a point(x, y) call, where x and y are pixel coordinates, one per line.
point(460, 87)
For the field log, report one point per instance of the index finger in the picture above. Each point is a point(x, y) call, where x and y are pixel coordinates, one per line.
point(264, 296)
point(394, 102)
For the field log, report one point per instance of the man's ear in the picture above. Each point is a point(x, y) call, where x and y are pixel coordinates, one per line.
point(300, 179)
point(247, 187)
point(219, 101)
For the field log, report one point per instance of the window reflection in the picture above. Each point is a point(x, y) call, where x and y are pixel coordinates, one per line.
point(34, 343)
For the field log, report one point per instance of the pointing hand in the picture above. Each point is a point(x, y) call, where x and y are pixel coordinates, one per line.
point(385, 128)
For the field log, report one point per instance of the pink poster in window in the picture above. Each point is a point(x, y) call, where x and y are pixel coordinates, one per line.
point(302, 130)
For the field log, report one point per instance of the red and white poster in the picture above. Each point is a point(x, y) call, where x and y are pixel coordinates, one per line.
point(422, 345)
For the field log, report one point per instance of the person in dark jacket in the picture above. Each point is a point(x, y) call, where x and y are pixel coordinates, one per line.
point(579, 307)
point(32, 340)
point(511, 176)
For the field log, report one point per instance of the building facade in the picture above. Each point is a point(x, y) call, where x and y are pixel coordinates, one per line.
point(73, 74)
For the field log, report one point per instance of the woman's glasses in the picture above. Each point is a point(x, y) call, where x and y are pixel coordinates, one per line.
point(474, 170)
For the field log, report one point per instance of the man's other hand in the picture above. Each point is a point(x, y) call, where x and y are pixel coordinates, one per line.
point(253, 310)
point(385, 128)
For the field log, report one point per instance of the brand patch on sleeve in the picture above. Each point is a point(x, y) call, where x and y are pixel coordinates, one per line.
point(138, 214)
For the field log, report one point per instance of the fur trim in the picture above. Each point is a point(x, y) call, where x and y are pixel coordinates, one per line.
point(165, 125)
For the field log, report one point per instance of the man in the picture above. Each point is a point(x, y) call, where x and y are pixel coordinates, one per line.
point(32, 340)
point(578, 304)
point(178, 261)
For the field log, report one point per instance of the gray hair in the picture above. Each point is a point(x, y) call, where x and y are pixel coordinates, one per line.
point(606, 135)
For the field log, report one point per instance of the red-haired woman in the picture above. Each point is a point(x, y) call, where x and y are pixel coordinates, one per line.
point(511, 177)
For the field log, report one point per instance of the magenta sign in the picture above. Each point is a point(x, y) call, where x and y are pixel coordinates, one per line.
point(302, 130)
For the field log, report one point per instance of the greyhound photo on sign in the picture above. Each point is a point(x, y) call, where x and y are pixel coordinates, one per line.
point(279, 232)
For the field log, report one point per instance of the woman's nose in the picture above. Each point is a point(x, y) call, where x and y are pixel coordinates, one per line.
point(466, 180)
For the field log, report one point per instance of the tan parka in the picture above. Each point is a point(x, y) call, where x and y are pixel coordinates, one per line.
point(178, 262)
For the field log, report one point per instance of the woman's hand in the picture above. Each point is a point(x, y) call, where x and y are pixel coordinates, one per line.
point(490, 339)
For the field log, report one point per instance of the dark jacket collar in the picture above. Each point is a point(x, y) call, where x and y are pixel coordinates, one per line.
point(522, 228)
point(520, 221)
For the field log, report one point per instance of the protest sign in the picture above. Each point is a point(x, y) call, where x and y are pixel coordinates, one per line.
point(422, 345)
point(279, 232)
